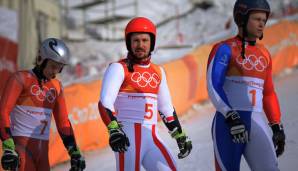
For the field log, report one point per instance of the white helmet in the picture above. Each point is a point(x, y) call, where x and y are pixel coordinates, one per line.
point(54, 49)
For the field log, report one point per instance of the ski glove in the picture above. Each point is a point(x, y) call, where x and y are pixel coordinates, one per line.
point(118, 140)
point(237, 128)
point(184, 143)
point(77, 161)
point(10, 159)
point(278, 138)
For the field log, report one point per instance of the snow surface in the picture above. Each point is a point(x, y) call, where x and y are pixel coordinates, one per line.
point(197, 123)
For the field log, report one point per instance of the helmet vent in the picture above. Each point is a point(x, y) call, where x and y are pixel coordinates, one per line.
point(53, 43)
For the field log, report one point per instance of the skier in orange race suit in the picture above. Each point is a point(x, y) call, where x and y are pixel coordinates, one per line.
point(29, 100)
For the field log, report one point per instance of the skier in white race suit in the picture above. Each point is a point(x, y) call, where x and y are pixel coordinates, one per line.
point(134, 91)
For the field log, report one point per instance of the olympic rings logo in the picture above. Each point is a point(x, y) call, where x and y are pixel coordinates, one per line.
point(252, 62)
point(43, 94)
point(145, 79)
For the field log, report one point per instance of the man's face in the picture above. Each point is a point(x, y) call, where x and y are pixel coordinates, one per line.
point(52, 69)
point(140, 45)
point(256, 24)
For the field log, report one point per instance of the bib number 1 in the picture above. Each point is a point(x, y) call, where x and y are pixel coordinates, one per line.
point(253, 97)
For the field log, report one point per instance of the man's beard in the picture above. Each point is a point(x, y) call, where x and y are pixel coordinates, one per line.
point(143, 61)
point(146, 55)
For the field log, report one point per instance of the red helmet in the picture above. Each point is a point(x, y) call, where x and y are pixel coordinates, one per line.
point(140, 25)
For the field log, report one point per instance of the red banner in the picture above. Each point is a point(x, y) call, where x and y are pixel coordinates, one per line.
point(8, 60)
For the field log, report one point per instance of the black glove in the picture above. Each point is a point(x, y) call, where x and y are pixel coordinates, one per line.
point(10, 159)
point(77, 161)
point(118, 140)
point(183, 142)
point(278, 138)
point(237, 128)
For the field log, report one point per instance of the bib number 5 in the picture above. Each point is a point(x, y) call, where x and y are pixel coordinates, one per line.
point(148, 110)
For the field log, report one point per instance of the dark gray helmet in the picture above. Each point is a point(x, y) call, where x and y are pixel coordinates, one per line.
point(243, 7)
point(54, 49)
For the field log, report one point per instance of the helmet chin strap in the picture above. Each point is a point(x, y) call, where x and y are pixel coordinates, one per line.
point(38, 71)
point(261, 37)
point(244, 35)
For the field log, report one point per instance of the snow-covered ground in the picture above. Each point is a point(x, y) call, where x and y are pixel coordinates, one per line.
point(197, 123)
